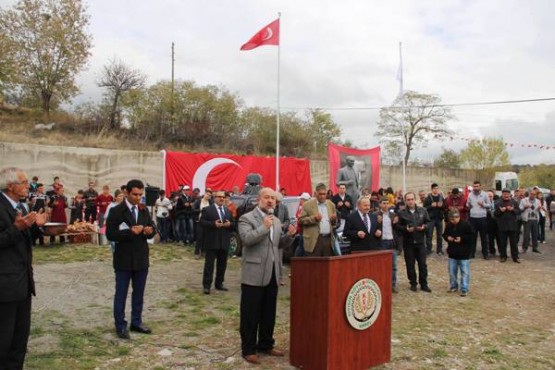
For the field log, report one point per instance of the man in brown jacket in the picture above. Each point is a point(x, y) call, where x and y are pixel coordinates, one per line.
point(319, 220)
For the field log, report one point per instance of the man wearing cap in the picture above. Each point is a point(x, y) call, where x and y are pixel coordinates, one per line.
point(347, 176)
point(506, 212)
point(184, 216)
point(319, 220)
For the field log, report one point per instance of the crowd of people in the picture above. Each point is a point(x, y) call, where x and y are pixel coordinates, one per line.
point(380, 220)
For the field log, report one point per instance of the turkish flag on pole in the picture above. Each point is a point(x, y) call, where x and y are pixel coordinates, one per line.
point(268, 35)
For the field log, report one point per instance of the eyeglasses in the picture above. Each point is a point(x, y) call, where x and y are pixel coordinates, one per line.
point(24, 182)
point(219, 196)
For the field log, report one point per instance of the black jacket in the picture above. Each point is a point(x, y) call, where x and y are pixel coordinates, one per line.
point(418, 218)
point(343, 210)
point(16, 256)
point(462, 250)
point(354, 224)
point(131, 253)
point(506, 220)
point(435, 213)
point(215, 238)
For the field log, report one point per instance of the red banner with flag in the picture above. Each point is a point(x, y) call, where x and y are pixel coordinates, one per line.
point(367, 165)
point(268, 35)
point(224, 171)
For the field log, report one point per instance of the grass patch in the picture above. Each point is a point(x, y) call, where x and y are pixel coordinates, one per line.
point(66, 253)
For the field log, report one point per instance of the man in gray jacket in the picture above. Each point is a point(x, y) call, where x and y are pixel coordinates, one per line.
point(262, 236)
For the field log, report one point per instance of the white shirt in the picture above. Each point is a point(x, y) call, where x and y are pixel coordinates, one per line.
point(163, 207)
point(387, 229)
point(325, 225)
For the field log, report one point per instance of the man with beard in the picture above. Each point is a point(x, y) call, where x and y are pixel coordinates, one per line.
point(506, 212)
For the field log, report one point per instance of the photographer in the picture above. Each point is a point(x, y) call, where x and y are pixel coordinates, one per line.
point(162, 207)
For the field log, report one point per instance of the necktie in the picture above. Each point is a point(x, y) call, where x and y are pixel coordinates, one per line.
point(22, 209)
point(366, 222)
point(134, 213)
point(222, 214)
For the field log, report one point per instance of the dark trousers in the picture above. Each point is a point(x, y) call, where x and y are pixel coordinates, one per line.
point(530, 229)
point(211, 255)
point(436, 224)
point(163, 228)
point(480, 226)
point(493, 236)
point(138, 282)
point(15, 325)
point(511, 236)
point(90, 214)
point(322, 247)
point(541, 229)
point(416, 253)
point(258, 316)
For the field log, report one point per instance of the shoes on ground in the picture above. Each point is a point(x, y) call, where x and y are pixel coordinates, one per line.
point(222, 288)
point(253, 359)
point(452, 290)
point(140, 329)
point(516, 260)
point(464, 294)
point(440, 253)
point(537, 251)
point(426, 289)
point(123, 334)
point(503, 259)
point(275, 352)
point(413, 288)
point(206, 290)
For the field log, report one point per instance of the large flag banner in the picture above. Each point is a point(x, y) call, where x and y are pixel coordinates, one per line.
point(224, 171)
point(367, 165)
point(268, 35)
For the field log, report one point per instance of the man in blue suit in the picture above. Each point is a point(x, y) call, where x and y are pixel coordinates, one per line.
point(129, 226)
point(362, 227)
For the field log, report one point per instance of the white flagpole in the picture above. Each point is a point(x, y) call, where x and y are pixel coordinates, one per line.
point(400, 72)
point(278, 107)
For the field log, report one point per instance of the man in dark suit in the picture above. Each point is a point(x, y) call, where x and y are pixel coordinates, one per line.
point(262, 236)
point(362, 227)
point(129, 226)
point(343, 204)
point(216, 221)
point(17, 230)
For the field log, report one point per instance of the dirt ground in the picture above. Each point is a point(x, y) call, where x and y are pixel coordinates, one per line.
point(506, 322)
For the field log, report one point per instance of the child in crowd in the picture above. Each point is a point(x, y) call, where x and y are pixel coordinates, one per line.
point(458, 235)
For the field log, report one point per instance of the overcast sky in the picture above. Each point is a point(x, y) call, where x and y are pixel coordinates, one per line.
point(345, 54)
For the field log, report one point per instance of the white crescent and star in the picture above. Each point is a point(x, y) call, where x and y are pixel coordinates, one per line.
point(199, 179)
point(269, 34)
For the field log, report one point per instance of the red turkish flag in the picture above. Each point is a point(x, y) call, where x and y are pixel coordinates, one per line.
point(268, 35)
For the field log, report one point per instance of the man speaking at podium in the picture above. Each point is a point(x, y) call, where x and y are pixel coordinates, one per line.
point(262, 237)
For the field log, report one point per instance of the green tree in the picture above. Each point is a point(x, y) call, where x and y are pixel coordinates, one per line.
point(542, 175)
point(412, 119)
point(448, 159)
point(7, 64)
point(487, 153)
point(322, 129)
point(50, 47)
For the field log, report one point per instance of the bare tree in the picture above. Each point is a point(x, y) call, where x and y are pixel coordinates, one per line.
point(119, 78)
point(411, 119)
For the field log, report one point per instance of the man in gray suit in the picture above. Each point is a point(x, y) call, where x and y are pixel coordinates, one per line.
point(262, 236)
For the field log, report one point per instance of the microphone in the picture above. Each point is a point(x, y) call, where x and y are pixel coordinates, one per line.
point(270, 211)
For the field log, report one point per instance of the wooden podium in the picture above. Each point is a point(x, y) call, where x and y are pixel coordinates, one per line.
point(327, 292)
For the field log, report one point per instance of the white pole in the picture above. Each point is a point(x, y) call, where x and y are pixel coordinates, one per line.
point(278, 108)
point(400, 72)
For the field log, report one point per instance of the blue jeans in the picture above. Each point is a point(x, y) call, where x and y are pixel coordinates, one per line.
point(454, 266)
point(390, 245)
point(163, 228)
point(138, 281)
point(185, 229)
point(438, 225)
